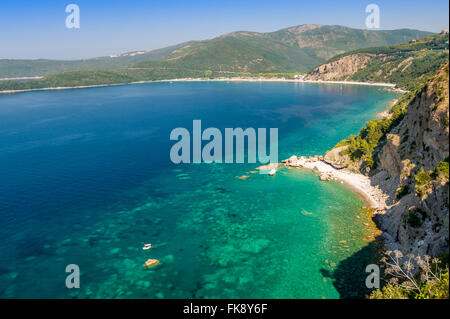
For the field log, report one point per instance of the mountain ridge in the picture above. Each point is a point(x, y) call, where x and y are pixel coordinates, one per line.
point(288, 44)
point(292, 49)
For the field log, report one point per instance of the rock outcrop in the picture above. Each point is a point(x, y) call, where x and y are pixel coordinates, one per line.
point(340, 69)
point(418, 221)
point(405, 169)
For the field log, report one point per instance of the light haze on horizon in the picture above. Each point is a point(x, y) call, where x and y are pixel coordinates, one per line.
point(30, 30)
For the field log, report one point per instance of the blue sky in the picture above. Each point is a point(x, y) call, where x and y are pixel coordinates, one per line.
point(36, 29)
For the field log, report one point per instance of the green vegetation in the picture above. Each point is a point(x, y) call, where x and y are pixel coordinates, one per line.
point(442, 169)
point(407, 65)
point(390, 292)
point(402, 191)
point(234, 54)
point(362, 146)
point(436, 289)
point(413, 219)
point(101, 77)
point(278, 52)
point(41, 67)
point(273, 75)
point(431, 281)
point(341, 39)
point(424, 179)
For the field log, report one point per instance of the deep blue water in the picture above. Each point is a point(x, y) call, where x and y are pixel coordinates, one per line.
point(86, 178)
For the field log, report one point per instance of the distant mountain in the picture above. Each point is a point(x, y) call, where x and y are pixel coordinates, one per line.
point(325, 41)
point(294, 49)
point(405, 64)
point(40, 67)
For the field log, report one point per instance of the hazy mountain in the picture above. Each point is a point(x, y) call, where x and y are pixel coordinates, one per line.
point(27, 68)
point(293, 49)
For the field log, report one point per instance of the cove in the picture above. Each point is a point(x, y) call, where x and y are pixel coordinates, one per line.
point(86, 179)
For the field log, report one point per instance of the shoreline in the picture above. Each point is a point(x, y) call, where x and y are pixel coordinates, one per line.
point(22, 78)
point(235, 79)
point(358, 183)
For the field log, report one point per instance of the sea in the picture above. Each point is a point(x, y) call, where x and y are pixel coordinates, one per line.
point(86, 179)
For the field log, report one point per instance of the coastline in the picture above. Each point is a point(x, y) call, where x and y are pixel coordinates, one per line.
point(22, 78)
point(357, 182)
point(360, 184)
point(235, 79)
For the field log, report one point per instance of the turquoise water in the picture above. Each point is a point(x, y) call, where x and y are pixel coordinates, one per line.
point(86, 179)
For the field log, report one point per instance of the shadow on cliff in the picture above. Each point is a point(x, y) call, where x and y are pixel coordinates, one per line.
point(350, 275)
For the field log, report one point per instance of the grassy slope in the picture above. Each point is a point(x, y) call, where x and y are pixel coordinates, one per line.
point(289, 50)
point(319, 42)
point(294, 49)
point(406, 65)
point(41, 67)
point(362, 147)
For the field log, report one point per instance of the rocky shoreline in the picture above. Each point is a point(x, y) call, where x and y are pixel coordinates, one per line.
point(359, 183)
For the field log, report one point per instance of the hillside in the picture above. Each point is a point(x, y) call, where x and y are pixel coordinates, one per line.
point(294, 49)
point(326, 41)
point(406, 155)
point(41, 67)
point(406, 65)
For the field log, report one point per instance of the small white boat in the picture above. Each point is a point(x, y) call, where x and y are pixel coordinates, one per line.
point(147, 247)
point(273, 171)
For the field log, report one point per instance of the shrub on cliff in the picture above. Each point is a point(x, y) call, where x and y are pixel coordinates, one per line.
point(422, 179)
point(414, 277)
point(403, 190)
point(389, 292)
point(442, 169)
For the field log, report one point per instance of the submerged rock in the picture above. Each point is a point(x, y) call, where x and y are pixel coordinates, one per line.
point(151, 263)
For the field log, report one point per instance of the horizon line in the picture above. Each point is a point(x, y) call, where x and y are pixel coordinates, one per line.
point(212, 38)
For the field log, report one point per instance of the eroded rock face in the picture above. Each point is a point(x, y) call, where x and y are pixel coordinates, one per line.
point(390, 157)
point(340, 69)
point(418, 222)
point(337, 158)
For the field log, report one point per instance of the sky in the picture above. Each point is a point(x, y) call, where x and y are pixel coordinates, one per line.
point(37, 29)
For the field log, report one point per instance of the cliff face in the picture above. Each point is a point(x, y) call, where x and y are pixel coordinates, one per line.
point(406, 65)
point(341, 69)
point(406, 169)
point(410, 165)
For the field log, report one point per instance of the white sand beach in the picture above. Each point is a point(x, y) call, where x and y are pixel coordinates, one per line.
point(234, 79)
point(358, 182)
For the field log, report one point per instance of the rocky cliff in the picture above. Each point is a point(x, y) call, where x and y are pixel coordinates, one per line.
point(406, 65)
point(340, 70)
point(411, 170)
point(409, 163)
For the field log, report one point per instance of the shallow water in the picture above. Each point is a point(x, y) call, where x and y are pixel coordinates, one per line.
point(86, 179)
